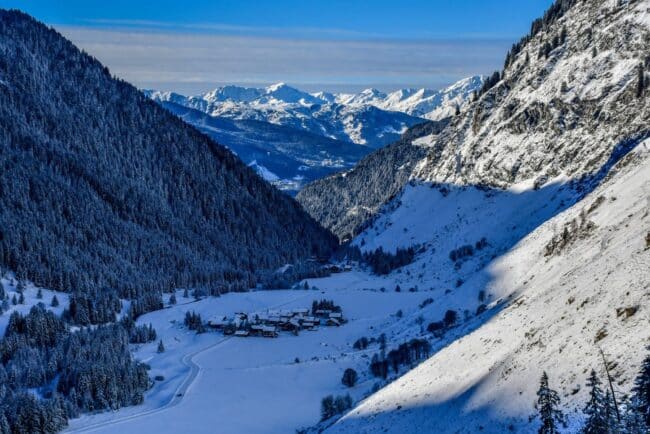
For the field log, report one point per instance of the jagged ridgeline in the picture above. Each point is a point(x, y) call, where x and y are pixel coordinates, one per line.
point(103, 188)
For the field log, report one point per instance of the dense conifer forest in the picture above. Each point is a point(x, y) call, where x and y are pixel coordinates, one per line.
point(102, 188)
point(345, 202)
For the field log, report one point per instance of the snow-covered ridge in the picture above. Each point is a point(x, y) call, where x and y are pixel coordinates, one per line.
point(567, 99)
point(424, 103)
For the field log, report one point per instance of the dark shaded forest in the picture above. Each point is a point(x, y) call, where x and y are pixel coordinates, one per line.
point(345, 203)
point(102, 188)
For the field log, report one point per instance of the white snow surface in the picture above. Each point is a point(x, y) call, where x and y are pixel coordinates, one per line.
point(255, 385)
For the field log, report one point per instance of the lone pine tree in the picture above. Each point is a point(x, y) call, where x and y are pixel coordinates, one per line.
point(349, 377)
point(548, 402)
point(641, 391)
point(595, 410)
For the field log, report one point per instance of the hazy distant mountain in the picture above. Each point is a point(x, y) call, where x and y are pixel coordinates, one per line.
point(318, 113)
point(292, 137)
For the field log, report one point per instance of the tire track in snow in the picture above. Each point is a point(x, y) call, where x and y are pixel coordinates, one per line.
point(177, 397)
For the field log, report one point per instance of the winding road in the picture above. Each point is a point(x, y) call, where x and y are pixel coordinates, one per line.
point(178, 395)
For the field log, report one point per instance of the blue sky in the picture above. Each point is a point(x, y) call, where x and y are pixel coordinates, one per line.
point(337, 45)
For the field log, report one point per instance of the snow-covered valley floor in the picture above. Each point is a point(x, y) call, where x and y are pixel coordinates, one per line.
point(255, 385)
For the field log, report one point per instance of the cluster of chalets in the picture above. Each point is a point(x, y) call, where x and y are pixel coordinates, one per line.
point(269, 324)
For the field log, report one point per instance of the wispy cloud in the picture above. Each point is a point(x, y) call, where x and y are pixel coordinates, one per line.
point(230, 29)
point(192, 62)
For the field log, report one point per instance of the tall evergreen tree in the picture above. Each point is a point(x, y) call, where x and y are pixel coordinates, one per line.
point(596, 407)
point(611, 415)
point(641, 392)
point(548, 402)
point(161, 347)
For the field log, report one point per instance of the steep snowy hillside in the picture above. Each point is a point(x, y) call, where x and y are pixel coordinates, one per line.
point(564, 288)
point(572, 91)
point(286, 157)
point(531, 213)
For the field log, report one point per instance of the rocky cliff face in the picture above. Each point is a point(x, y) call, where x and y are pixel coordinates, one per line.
point(573, 97)
point(572, 92)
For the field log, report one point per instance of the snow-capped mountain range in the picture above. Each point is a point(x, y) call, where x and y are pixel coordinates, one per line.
point(371, 117)
point(424, 103)
point(351, 124)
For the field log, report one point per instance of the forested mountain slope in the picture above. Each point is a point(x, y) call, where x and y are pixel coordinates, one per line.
point(103, 188)
point(344, 202)
point(286, 157)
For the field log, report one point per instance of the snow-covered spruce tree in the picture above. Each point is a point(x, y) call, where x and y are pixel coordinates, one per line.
point(548, 402)
point(327, 407)
point(595, 409)
point(55, 301)
point(349, 377)
point(612, 423)
point(641, 393)
point(161, 347)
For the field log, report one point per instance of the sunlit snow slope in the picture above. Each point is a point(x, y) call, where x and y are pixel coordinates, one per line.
point(547, 311)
